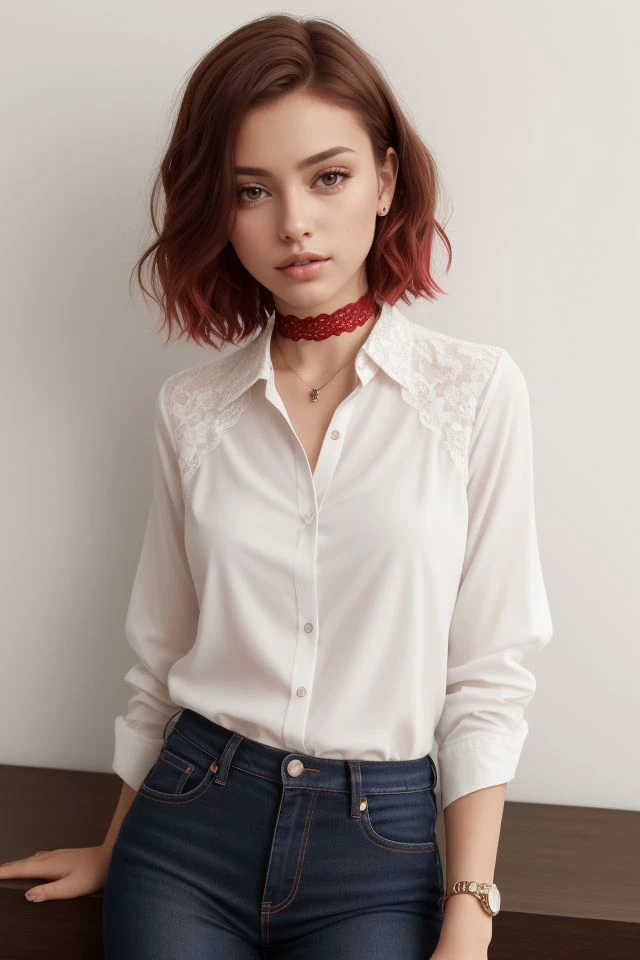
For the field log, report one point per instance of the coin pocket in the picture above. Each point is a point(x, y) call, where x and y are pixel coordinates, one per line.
point(404, 820)
point(181, 772)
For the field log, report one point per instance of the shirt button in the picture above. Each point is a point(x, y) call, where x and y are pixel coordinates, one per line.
point(308, 627)
point(301, 691)
point(335, 434)
point(361, 361)
point(309, 515)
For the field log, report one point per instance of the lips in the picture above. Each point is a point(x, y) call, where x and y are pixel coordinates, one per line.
point(300, 258)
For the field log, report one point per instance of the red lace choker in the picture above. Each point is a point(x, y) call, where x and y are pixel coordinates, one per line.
point(344, 319)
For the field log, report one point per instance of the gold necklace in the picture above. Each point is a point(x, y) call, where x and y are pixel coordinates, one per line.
point(315, 391)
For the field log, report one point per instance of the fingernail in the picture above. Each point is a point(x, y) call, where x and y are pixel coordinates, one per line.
point(34, 897)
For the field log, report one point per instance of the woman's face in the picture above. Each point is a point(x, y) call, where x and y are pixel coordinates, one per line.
point(328, 208)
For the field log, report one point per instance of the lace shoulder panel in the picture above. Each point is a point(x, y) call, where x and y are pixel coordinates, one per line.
point(195, 399)
point(447, 378)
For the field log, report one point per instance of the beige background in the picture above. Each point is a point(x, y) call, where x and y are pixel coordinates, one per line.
point(528, 108)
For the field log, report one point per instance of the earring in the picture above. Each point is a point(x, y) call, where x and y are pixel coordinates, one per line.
point(384, 209)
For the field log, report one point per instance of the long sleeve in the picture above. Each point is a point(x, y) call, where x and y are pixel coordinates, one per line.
point(162, 615)
point(501, 610)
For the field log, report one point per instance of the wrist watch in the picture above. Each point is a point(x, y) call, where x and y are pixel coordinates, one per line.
point(487, 893)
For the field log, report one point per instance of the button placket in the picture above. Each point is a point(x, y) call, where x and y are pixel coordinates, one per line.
point(332, 445)
point(305, 651)
point(311, 490)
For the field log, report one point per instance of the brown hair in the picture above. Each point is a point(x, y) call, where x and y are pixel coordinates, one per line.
point(197, 278)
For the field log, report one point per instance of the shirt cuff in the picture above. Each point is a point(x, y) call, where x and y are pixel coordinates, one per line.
point(134, 755)
point(479, 761)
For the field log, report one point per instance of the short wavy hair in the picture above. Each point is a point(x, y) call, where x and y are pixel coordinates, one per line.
point(196, 276)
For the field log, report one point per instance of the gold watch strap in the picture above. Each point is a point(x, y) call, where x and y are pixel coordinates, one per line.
point(479, 889)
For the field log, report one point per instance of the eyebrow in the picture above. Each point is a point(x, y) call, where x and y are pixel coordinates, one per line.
point(302, 165)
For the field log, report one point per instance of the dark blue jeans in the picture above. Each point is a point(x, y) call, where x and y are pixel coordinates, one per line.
point(236, 850)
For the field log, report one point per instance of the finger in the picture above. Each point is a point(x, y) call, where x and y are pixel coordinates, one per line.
point(33, 867)
point(12, 863)
point(15, 868)
point(62, 889)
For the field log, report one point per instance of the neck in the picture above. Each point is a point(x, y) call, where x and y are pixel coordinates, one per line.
point(313, 358)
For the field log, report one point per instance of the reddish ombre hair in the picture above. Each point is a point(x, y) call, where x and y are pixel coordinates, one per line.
point(197, 278)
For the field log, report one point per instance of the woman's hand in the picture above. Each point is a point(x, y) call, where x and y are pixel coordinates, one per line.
point(451, 952)
point(462, 938)
point(75, 871)
point(466, 931)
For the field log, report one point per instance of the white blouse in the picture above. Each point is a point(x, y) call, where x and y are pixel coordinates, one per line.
point(365, 609)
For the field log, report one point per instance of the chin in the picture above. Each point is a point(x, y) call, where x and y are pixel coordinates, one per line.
point(306, 298)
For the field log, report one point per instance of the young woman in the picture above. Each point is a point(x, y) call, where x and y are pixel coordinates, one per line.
point(340, 565)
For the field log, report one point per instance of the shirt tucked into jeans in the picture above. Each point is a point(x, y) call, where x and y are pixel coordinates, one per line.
point(368, 609)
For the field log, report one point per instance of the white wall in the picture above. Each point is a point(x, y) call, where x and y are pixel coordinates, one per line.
point(529, 111)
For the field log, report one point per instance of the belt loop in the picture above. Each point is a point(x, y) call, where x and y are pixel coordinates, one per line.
point(356, 787)
point(231, 746)
point(434, 778)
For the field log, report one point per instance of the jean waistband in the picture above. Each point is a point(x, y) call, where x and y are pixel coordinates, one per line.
point(295, 769)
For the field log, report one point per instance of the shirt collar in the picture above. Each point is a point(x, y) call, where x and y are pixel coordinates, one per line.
point(388, 345)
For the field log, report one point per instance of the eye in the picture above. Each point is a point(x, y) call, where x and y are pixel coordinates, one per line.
point(335, 171)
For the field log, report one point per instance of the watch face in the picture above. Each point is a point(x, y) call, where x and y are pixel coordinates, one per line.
point(493, 896)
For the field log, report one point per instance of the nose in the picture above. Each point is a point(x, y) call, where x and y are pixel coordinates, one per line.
point(295, 220)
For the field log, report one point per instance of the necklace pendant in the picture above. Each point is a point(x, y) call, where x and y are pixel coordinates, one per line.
point(314, 394)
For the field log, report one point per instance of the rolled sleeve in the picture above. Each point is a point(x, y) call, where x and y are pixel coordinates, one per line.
point(162, 615)
point(501, 610)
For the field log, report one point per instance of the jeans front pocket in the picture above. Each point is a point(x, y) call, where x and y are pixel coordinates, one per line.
point(402, 821)
point(182, 772)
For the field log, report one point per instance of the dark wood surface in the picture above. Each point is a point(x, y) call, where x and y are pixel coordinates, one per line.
point(569, 876)
point(566, 861)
